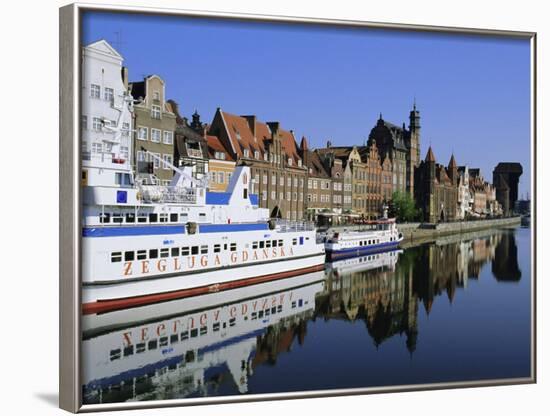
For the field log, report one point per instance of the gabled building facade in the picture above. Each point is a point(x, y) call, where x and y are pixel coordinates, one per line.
point(278, 174)
point(155, 126)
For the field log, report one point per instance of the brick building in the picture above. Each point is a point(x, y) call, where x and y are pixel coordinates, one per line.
point(278, 174)
point(436, 189)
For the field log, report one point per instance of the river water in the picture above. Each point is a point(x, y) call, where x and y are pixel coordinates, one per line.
point(458, 309)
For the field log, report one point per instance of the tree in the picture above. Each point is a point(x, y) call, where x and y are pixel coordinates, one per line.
point(403, 207)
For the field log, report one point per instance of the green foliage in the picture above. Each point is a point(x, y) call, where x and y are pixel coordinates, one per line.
point(403, 207)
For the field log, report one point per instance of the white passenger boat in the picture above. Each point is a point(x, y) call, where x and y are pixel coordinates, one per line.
point(376, 236)
point(144, 243)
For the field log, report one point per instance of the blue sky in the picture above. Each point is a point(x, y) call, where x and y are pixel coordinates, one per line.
point(473, 92)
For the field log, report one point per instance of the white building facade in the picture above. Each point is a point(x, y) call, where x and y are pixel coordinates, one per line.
point(106, 122)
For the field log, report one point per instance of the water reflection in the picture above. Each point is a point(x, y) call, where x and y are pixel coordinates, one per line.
point(214, 344)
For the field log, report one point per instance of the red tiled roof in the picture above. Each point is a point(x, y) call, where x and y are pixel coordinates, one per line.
point(214, 145)
point(242, 137)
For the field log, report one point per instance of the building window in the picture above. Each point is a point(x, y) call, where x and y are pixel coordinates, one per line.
point(84, 123)
point(273, 195)
point(95, 91)
point(228, 177)
point(221, 177)
point(156, 95)
point(273, 179)
point(256, 154)
point(125, 129)
point(141, 156)
point(212, 177)
point(264, 195)
point(314, 184)
point(282, 181)
point(289, 181)
point(219, 155)
point(97, 147)
point(264, 179)
point(109, 95)
point(289, 161)
point(156, 160)
point(155, 112)
point(300, 163)
point(155, 135)
point(96, 124)
point(246, 153)
point(166, 158)
point(168, 137)
point(143, 133)
point(281, 195)
point(288, 196)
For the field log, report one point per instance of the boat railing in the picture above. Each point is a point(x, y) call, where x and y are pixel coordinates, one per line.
point(290, 226)
point(167, 194)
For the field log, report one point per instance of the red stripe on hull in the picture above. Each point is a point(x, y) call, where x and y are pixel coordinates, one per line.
point(102, 306)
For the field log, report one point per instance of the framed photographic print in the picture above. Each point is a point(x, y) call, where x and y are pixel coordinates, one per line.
point(261, 207)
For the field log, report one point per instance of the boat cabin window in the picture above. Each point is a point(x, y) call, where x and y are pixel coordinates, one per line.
point(142, 254)
point(153, 253)
point(140, 347)
point(130, 217)
point(233, 247)
point(163, 218)
point(115, 354)
point(142, 218)
point(174, 339)
point(117, 218)
point(254, 245)
point(164, 252)
point(204, 249)
point(183, 217)
point(116, 257)
point(262, 244)
point(129, 256)
point(153, 217)
point(152, 344)
point(294, 241)
point(105, 218)
point(268, 244)
point(274, 243)
point(185, 251)
point(217, 248)
point(195, 250)
point(216, 326)
point(175, 251)
point(174, 217)
point(184, 335)
point(280, 243)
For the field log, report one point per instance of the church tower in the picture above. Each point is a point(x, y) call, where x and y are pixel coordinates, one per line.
point(413, 156)
point(414, 128)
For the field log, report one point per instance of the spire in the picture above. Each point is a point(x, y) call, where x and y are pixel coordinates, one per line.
point(303, 143)
point(452, 162)
point(380, 118)
point(430, 155)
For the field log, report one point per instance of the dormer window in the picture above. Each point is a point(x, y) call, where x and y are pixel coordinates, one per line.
point(266, 156)
point(246, 153)
point(156, 96)
point(289, 161)
point(256, 154)
point(300, 163)
point(219, 155)
point(237, 134)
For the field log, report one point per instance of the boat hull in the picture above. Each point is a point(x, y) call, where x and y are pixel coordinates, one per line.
point(360, 250)
point(101, 298)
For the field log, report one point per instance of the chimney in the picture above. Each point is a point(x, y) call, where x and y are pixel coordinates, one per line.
point(124, 74)
point(274, 127)
point(251, 120)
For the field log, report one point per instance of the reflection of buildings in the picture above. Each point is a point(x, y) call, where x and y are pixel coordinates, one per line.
point(385, 293)
point(191, 352)
point(370, 288)
point(505, 265)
